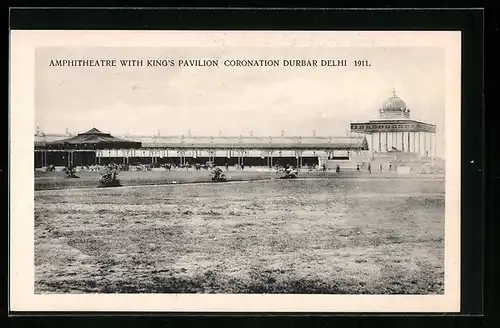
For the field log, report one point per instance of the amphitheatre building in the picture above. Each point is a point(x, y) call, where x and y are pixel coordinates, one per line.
point(393, 138)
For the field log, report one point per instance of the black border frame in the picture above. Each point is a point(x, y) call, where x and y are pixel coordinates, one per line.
point(470, 22)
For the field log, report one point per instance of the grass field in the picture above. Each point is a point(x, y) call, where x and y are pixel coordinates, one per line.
point(344, 235)
point(57, 180)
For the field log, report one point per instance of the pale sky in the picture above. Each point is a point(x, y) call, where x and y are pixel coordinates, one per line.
point(205, 100)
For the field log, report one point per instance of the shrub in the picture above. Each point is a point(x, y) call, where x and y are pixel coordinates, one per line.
point(109, 179)
point(70, 172)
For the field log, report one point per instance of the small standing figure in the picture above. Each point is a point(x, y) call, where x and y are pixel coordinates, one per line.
point(337, 169)
point(370, 168)
point(381, 168)
point(357, 168)
point(227, 167)
point(390, 167)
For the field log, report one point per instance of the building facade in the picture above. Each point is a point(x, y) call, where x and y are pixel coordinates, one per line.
point(242, 150)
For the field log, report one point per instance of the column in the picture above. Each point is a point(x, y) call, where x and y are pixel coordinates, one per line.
point(380, 142)
point(435, 145)
point(403, 142)
point(396, 143)
point(372, 145)
point(409, 149)
point(414, 149)
point(386, 141)
point(425, 144)
point(419, 150)
point(271, 158)
point(431, 145)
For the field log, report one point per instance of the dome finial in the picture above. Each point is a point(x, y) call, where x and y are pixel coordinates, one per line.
point(394, 92)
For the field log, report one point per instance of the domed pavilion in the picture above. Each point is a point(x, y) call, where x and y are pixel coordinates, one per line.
point(395, 131)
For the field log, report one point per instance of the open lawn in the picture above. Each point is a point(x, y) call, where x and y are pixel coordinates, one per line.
point(57, 180)
point(342, 235)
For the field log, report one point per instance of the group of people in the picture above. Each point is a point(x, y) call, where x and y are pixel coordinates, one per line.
point(381, 168)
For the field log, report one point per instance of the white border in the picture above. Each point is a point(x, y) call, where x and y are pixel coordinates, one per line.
point(22, 297)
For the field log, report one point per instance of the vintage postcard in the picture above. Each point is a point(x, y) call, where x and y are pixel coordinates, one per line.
point(243, 171)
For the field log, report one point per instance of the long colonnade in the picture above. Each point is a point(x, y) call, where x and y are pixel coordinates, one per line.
point(260, 157)
point(422, 143)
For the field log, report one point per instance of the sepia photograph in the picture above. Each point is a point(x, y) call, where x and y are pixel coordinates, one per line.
point(247, 167)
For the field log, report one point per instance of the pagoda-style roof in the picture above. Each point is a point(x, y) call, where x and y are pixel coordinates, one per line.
point(92, 139)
